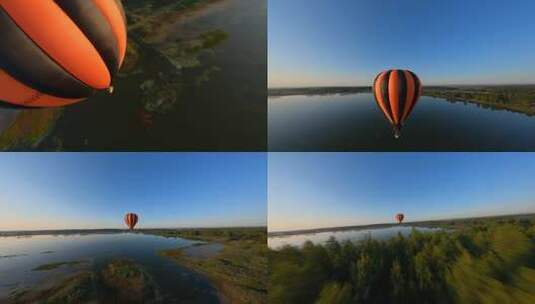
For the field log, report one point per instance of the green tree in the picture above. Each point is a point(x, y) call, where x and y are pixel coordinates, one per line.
point(335, 293)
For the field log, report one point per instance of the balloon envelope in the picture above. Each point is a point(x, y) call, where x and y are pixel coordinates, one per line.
point(400, 217)
point(59, 52)
point(396, 93)
point(130, 219)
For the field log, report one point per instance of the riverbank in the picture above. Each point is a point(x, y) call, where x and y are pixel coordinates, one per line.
point(239, 270)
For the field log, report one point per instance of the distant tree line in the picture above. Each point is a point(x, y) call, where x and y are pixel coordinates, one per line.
point(515, 98)
point(487, 262)
point(311, 91)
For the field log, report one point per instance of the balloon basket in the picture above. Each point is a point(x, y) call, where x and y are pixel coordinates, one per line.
point(397, 132)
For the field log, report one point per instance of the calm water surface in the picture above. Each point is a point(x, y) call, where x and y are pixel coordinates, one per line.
point(351, 235)
point(19, 255)
point(353, 122)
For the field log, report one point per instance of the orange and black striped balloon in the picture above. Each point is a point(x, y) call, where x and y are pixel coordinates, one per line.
point(400, 217)
point(396, 93)
point(57, 52)
point(130, 219)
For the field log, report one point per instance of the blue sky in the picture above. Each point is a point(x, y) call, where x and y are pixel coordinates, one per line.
point(95, 190)
point(347, 42)
point(310, 190)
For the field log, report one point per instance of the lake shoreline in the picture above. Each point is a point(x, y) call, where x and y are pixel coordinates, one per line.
point(238, 270)
point(442, 223)
point(452, 94)
point(485, 105)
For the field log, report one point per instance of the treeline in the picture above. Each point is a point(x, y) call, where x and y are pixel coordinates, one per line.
point(492, 262)
point(257, 234)
point(514, 98)
point(312, 91)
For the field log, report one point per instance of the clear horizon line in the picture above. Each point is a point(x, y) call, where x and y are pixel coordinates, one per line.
point(389, 223)
point(425, 85)
point(121, 229)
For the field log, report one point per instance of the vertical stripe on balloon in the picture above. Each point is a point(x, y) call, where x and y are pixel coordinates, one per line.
point(393, 94)
point(130, 220)
point(379, 94)
point(396, 93)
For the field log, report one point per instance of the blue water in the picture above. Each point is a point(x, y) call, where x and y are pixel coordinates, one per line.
point(353, 122)
point(19, 255)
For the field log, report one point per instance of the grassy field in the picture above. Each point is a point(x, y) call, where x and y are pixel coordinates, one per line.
point(485, 260)
point(239, 270)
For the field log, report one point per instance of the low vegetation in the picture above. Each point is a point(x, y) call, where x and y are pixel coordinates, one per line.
point(29, 128)
point(156, 38)
point(52, 266)
point(78, 288)
point(152, 20)
point(488, 261)
point(128, 282)
point(239, 270)
point(221, 235)
point(120, 281)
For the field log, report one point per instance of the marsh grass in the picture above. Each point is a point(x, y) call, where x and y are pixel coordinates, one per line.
point(239, 270)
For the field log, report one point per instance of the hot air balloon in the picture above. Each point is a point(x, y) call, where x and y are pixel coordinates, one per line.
point(58, 52)
point(130, 219)
point(396, 93)
point(399, 217)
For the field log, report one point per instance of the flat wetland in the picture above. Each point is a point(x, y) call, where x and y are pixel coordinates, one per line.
point(227, 265)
